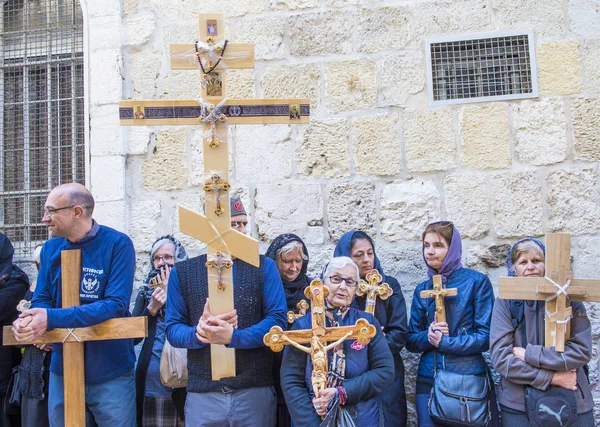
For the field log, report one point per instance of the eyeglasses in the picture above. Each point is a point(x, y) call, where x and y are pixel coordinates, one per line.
point(51, 211)
point(166, 258)
point(336, 280)
point(239, 224)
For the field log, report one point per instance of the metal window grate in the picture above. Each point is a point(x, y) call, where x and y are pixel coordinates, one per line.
point(42, 141)
point(481, 69)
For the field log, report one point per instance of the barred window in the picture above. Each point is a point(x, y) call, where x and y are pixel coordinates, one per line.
point(487, 68)
point(42, 142)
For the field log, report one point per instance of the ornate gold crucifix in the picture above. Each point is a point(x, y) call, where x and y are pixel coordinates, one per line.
point(439, 292)
point(373, 288)
point(302, 307)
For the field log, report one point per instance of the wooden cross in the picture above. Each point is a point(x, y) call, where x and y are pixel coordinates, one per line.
point(439, 293)
point(320, 339)
point(73, 339)
point(373, 289)
point(216, 55)
point(302, 307)
point(553, 289)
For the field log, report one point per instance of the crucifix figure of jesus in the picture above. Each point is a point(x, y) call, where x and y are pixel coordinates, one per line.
point(439, 292)
point(373, 288)
point(212, 55)
point(558, 288)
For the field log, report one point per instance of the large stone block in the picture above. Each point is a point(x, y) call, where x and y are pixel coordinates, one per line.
point(323, 149)
point(130, 6)
point(184, 84)
point(103, 189)
point(145, 215)
point(169, 10)
point(194, 201)
point(573, 201)
point(228, 8)
point(400, 76)
point(429, 140)
point(586, 253)
point(144, 66)
point(466, 196)
point(384, 28)
point(289, 208)
point(105, 8)
point(105, 131)
point(546, 16)
point(137, 139)
point(586, 128)
point(405, 263)
point(484, 131)
point(559, 68)
point(433, 17)
point(540, 131)
point(180, 33)
point(377, 145)
point(111, 214)
point(584, 17)
point(263, 153)
point(104, 32)
point(294, 4)
point(240, 84)
point(591, 65)
point(351, 205)
point(406, 209)
point(292, 81)
point(517, 204)
point(166, 169)
point(265, 33)
point(106, 79)
point(139, 29)
point(327, 33)
point(351, 85)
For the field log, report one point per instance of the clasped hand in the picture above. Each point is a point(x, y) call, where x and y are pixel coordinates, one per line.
point(435, 332)
point(564, 379)
point(30, 324)
point(216, 329)
point(320, 403)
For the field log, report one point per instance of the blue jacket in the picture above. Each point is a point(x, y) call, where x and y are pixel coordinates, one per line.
point(369, 371)
point(108, 264)
point(468, 315)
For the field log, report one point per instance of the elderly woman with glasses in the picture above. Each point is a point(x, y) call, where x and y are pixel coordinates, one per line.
point(155, 405)
point(357, 374)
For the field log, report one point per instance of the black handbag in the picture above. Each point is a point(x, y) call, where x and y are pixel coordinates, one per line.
point(459, 400)
point(556, 406)
point(12, 398)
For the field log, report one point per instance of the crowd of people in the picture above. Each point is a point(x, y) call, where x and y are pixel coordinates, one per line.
point(364, 385)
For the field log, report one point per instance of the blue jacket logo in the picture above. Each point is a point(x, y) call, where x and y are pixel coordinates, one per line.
point(90, 283)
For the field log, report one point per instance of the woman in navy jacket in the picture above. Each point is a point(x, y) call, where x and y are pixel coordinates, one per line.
point(368, 369)
point(460, 340)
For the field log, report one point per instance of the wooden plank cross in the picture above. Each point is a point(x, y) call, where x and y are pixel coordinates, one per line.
point(213, 55)
point(302, 307)
point(320, 339)
point(439, 292)
point(73, 339)
point(553, 289)
point(373, 288)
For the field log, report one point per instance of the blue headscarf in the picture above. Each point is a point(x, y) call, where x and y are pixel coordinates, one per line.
point(344, 248)
point(509, 265)
point(452, 262)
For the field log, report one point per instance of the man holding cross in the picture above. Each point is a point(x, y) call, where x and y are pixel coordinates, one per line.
point(108, 263)
point(249, 398)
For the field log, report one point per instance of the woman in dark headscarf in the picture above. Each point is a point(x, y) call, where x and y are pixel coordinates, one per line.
point(155, 406)
point(391, 314)
point(291, 256)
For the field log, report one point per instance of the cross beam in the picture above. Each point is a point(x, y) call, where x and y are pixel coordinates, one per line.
point(373, 288)
point(439, 293)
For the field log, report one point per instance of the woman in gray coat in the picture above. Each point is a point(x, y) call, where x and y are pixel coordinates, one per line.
point(519, 356)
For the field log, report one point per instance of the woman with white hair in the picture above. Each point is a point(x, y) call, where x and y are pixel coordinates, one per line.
point(357, 374)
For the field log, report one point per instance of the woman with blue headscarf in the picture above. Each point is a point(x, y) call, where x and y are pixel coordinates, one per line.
point(519, 356)
point(456, 344)
point(390, 313)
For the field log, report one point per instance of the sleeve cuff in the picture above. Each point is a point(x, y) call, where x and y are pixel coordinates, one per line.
point(50, 319)
point(533, 354)
point(235, 339)
point(543, 380)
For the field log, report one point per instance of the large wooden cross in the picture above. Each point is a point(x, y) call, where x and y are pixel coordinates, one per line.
point(553, 289)
point(213, 55)
point(320, 339)
point(73, 339)
point(439, 292)
point(373, 288)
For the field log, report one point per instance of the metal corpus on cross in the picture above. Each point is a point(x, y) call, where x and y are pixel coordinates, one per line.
point(373, 288)
point(439, 292)
point(557, 289)
point(320, 339)
point(212, 55)
point(73, 339)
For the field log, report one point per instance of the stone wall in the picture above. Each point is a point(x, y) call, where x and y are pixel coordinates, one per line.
point(375, 156)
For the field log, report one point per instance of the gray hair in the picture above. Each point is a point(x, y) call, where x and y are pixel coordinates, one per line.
point(525, 247)
point(291, 247)
point(83, 199)
point(339, 262)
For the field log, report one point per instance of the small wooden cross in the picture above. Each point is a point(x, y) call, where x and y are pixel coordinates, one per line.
point(553, 289)
point(320, 338)
point(73, 339)
point(212, 54)
point(439, 293)
point(373, 288)
point(302, 307)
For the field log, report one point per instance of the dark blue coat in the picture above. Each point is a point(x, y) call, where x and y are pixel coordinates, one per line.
point(368, 372)
point(468, 315)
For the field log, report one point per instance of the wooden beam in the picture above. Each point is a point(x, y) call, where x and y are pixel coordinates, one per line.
point(239, 56)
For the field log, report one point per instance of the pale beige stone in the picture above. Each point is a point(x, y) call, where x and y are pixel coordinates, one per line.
point(169, 10)
point(540, 131)
point(193, 200)
point(138, 139)
point(466, 196)
point(105, 131)
point(591, 65)
point(484, 132)
point(586, 128)
point(584, 17)
point(400, 76)
point(228, 8)
point(293, 4)
point(104, 32)
point(573, 201)
point(111, 214)
point(266, 34)
point(429, 140)
point(586, 253)
point(130, 6)
point(104, 8)
point(517, 204)
point(181, 33)
point(145, 215)
point(384, 28)
point(106, 81)
point(406, 209)
point(139, 29)
point(292, 81)
point(240, 84)
point(351, 205)
point(166, 169)
point(323, 149)
point(545, 16)
point(144, 66)
point(377, 145)
point(351, 85)
point(403, 261)
point(263, 153)
point(184, 84)
point(326, 33)
point(103, 189)
point(559, 68)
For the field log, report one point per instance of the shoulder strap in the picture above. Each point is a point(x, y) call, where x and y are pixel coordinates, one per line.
point(517, 315)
